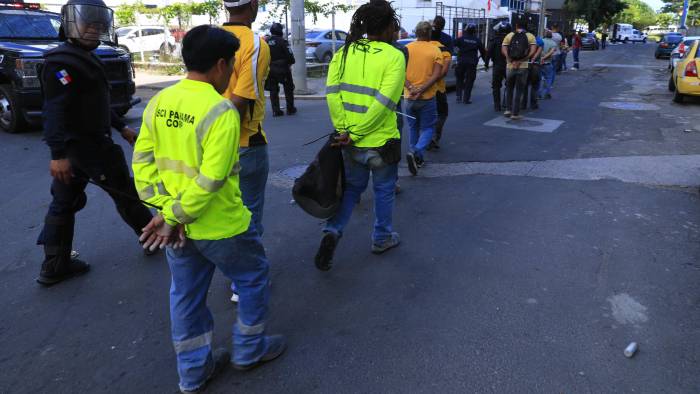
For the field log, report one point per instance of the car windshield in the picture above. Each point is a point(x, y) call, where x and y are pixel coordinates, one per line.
point(28, 24)
point(310, 35)
point(673, 39)
point(122, 31)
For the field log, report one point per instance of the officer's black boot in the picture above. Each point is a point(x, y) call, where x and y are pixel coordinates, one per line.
point(57, 238)
point(275, 102)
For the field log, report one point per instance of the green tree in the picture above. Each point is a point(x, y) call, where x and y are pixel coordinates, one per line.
point(210, 8)
point(676, 7)
point(180, 11)
point(313, 7)
point(595, 12)
point(637, 13)
point(665, 20)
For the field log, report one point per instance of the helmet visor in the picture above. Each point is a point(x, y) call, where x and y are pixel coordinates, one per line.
point(88, 22)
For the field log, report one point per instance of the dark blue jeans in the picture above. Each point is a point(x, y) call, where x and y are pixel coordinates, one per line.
point(423, 126)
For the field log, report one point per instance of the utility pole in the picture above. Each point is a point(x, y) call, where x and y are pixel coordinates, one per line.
point(299, 47)
point(540, 31)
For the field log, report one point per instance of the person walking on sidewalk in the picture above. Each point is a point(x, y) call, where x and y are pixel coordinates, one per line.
point(546, 66)
point(245, 90)
point(496, 56)
point(186, 161)
point(77, 129)
point(441, 93)
point(576, 49)
point(518, 47)
point(558, 38)
point(281, 61)
point(533, 77)
point(603, 40)
point(423, 71)
point(364, 85)
point(469, 47)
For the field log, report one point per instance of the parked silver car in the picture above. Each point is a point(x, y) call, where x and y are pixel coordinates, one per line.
point(679, 51)
point(319, 44)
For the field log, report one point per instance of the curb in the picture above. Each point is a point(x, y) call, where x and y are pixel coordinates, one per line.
point(310, 97)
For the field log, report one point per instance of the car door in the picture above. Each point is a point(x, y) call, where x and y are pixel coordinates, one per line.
point(340, 39)
point(134, 40)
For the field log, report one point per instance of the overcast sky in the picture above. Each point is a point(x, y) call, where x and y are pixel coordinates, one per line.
point(655, 4)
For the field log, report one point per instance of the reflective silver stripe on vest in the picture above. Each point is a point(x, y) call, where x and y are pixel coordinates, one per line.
point(332, 89)
point(250, 330)
point(148, 114)
point(355, 108)
point(256, 55)
point(161, 189)
point(236, 169)
point(208, 184)
point(143, 157)
point(180, 214)
point(177, 166)
point(193, 343)
point(348, 87)
point(205, 124)
point(147, 193)
point(385, 101)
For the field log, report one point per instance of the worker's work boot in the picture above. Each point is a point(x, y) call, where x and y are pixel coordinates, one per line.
point(56, 269)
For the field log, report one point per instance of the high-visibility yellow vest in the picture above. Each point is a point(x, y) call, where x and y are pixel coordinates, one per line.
point(186, 160)
point(362, 94)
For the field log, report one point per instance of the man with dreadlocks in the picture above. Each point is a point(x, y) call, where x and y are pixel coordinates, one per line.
point(364, 85)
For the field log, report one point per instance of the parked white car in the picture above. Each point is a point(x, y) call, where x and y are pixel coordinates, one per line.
point(145, 38)
point(624, 32)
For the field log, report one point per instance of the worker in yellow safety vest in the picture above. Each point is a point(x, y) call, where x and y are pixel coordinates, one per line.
point(186, 162)
point(364, 85)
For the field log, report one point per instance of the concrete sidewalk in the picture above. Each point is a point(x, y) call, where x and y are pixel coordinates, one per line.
point(144, 80)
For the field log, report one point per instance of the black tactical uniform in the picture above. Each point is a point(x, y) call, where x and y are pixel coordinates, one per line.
point(77, 127)
point(281, 59)
point(499, 63)
point(470, 47)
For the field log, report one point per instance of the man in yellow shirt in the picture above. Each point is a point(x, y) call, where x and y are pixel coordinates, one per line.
point(518, 48)
point(186, 162)
point(422, 73)
point(246, 91)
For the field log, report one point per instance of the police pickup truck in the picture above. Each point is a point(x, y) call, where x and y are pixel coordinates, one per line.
point(26, 33)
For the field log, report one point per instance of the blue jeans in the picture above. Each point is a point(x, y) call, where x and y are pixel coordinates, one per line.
point(358, 165)
point(576, 52)
point(255, 165)
point(241, 259)
point(423, 126)
point(563, 60)
point(547, 71)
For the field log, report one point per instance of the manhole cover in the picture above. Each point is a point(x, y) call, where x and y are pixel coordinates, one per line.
point(293, 172)
point(629, 106)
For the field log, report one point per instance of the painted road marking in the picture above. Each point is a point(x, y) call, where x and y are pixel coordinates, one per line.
point(528, 124)
point(629, 106)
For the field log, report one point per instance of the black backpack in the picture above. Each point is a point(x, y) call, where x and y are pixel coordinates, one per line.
point(519, 47)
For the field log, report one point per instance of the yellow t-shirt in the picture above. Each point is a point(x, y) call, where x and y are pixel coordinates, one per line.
point(530, 40)
point(446, 59)
point(422, 57)
point(252, 59)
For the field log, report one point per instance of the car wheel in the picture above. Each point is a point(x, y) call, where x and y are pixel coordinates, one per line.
point(644, 41)
point(677, 96)
point(327, 57)
point(671, 85)
point(11, 119)
point(656, 55)
point(626, 40)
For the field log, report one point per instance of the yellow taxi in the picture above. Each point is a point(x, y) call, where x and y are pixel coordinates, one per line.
point(684, 79)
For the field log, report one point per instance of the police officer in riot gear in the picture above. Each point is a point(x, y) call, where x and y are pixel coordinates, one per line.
point(499, 61)
point(281, 59)
point(469, 47)
point(77, 129)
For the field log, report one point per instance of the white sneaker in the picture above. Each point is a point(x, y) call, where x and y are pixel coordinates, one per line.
point(234, 298)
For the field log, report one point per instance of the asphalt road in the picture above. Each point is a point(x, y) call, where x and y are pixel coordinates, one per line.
point(501, 284)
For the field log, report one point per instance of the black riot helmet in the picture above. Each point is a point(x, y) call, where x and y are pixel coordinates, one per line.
point(470, 30)
point(276, 29)
point(87, 20)
point(503, 28)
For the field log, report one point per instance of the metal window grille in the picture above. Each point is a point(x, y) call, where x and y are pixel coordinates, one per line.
point(457, 18)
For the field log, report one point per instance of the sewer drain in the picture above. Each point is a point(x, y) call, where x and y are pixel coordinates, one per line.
point(629, 106)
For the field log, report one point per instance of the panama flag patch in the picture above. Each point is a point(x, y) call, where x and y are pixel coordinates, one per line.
point(64, 77)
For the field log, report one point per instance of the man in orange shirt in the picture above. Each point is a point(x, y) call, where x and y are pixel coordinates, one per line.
point(246, 91)
point(423, 71)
